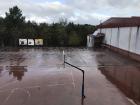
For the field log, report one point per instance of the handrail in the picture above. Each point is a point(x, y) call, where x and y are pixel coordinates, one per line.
point(83, 77)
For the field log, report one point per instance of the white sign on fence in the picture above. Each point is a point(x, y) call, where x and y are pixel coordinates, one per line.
point(22, 41)
point(39, 42)
point(31, 42)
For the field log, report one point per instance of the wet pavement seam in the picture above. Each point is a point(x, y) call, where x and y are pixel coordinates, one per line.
point(7, 84)
point(9, 95)
point(73, 81)
point(131, 101)
point(37, 86)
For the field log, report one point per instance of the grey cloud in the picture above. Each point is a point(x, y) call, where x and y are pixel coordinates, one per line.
point(83, 11)
point(123, 3)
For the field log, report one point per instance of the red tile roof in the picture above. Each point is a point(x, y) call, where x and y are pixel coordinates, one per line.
point(120, 22)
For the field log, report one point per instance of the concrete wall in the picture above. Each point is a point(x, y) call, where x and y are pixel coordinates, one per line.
point(114, 39)
point(123, 38)
point(137, 47)
point(108, 33)
point(133, 39)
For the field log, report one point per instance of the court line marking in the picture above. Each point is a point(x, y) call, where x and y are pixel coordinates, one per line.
point(56, 84)
point(27, 91)
point(37, 86)
point(10, 94)
point(28, 95)
point(131, 101)
point(7, 84)
point(73, 81)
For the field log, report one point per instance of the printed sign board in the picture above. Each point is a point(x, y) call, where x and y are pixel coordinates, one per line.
point(31, 42)
point(22, 41)
point(39, 42)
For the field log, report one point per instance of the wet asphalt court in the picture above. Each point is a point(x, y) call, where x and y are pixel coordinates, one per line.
point(38, 77)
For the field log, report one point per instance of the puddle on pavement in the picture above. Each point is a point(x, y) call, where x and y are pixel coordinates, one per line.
point(17, 71)
point(33, 66)
point(123, 72)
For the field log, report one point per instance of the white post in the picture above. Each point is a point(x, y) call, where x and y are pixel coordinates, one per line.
point(64, 58)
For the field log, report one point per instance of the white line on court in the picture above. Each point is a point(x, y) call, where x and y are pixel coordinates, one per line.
point(32, 87)
point(56, 85)
point(5, 90)
point(131, 101)
point(10, 94)
point(72, 77)
point(27, 91)
point(7, 84)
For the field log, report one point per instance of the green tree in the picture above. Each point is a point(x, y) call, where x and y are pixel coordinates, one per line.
point(2, 31)
point(14, 18)
point(74, 40)
point(44, 33)
point(14, 25)
point(29, 30)
point(62, 33)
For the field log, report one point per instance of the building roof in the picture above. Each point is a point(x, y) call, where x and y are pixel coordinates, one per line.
point(120, 22)
point(96, 32)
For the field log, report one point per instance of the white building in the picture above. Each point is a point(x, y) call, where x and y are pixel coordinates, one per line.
point(122, 35)
point(90, 40)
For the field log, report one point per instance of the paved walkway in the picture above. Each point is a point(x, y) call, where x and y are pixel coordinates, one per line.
point(37, 77)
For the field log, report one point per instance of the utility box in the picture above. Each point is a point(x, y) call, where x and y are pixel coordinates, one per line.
point(98, 40)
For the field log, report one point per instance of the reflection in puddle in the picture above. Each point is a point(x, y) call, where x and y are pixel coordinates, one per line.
point(17, 71)
point(1, 69)
point(123, 72)
point(82, 101)
point(126, 78)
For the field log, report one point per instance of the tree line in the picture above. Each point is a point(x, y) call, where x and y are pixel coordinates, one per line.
point(63, 33)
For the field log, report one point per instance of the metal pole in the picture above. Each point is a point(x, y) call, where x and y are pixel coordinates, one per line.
point(83, 77)
point(64, 58)
point(83, 85)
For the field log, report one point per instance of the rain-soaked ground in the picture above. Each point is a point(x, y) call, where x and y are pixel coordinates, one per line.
point(38, 77)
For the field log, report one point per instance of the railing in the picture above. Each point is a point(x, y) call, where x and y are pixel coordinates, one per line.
point(83, 75)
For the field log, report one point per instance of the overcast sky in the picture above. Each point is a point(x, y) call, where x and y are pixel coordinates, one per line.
point(78, 11)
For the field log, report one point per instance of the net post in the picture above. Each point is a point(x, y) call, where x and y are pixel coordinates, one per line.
point(64, 57)
point(83, 76)
point(83, 84)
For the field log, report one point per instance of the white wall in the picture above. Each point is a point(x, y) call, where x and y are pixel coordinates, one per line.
point(103, 31)
point(108, 35)
point(126, 38)
point(138, 42)
point(114, 38)
point(133, 39)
